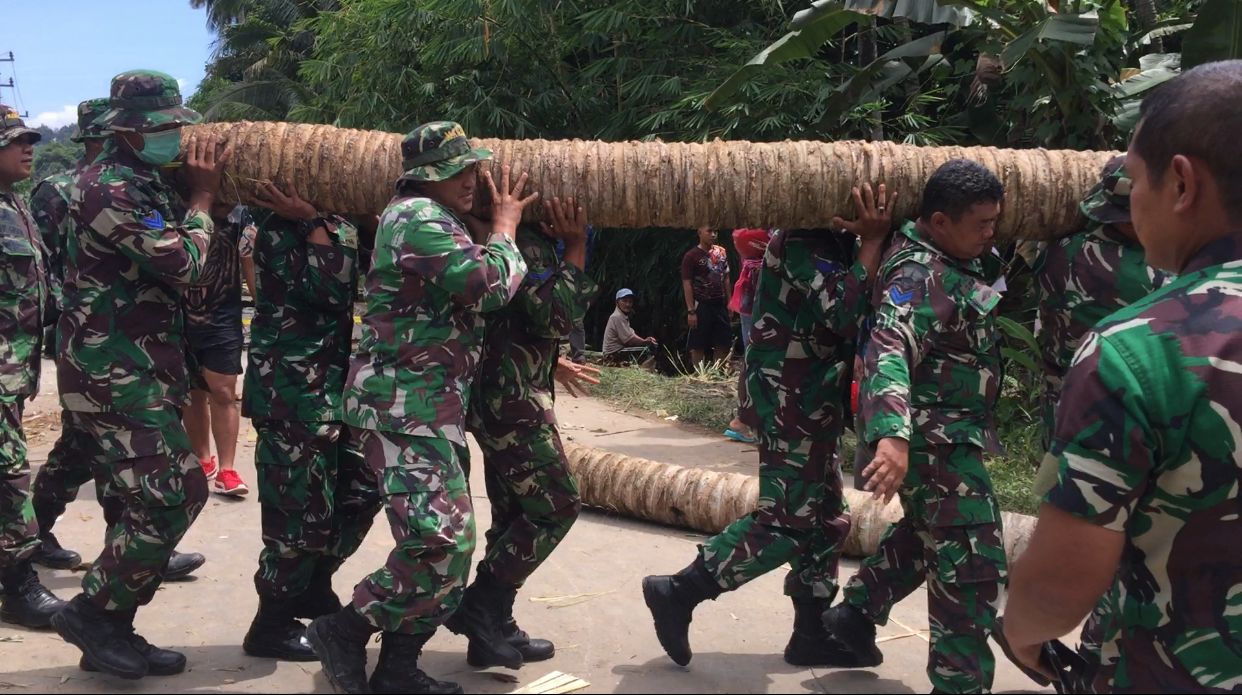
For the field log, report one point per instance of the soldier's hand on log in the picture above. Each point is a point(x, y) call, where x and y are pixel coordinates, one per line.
point(204, 166)
point(887, 469)
point(874, 211)
point(572, 376)
point(507, 203)
point(288, 205)
point(569, 221)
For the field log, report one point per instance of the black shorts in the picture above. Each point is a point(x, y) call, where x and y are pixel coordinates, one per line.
point(217, 350)
point(714, 329)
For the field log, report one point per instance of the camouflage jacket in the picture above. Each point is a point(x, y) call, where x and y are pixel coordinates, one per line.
point(515, 380)
point(23, 300)
point(932, 363)
point(810, 302)
point(49, 201)
point(422, 331)
point(121, 330)
point(1082, 279)
point(303, 323)
point(1147, 444)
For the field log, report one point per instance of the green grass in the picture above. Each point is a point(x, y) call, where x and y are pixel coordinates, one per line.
point(708, 398)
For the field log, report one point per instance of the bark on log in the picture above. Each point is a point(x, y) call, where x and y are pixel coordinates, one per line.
point(708, 501)
point(725, 184)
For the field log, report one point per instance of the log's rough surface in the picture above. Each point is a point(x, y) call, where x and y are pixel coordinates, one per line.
point(708, 501)
point(724, 184)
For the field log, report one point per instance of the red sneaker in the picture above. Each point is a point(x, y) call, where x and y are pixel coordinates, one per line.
point(229, 483)
point(210, 467)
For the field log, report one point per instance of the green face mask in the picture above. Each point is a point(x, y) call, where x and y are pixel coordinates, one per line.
point(160, 148)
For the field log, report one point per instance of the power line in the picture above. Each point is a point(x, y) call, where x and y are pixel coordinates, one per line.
point(12, 84)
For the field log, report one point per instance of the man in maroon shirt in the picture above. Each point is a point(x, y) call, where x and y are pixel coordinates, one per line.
point(705, 281)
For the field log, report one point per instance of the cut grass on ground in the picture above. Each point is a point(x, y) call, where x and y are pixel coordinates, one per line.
point(708, 399)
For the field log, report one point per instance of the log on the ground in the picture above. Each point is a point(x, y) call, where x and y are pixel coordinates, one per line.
point(724, 184)
point(708, 501)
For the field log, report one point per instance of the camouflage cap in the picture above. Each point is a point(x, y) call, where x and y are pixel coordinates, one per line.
point(145, 100)
point(1109, 201)
point(88, 112)
point(437, 151)
point(14, 127)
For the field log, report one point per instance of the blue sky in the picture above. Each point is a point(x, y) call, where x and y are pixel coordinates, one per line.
point(68, 50)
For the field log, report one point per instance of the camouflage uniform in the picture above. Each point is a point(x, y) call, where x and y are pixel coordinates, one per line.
point(318, 496)
point(811, 298)
point(409, 384)
point(24, 298)
point(1146, 444)
point(56, 484)
point(534, 497)
point(1087, 276)
point(121, 368)
point(932, 377)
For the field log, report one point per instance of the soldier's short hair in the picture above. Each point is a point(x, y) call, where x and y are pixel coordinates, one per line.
point(1197, 114)
point(956, 186)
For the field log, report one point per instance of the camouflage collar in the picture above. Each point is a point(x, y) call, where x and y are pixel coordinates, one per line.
point(1223, 250)
point(1109, 233)
point(911, 231)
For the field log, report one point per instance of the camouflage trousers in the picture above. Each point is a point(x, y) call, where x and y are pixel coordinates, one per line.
point(19, 534)
point(67, 469)
point(801, 519)
point(533, 495)
point(160, 488)
point(318, 500)
point(950, 537)
point(428, 504)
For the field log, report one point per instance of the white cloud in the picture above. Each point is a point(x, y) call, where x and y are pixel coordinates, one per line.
point(55, 119)
point(181, 83)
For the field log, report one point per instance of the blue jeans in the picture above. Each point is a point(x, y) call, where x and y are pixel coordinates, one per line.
point(747, 322)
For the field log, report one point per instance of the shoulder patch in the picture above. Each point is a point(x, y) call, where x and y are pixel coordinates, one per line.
point(153, 220)
point(827, 267)
point(899, 296)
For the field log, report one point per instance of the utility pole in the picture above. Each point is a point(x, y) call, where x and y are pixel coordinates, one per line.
point(10, 84)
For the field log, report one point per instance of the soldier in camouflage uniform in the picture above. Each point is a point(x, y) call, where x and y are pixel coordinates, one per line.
point(1142, 478)
point(121, 367)
point(813, 293)
point(406, 396)
point(1087, 276)
point(57, 482)
point(317, 494)
point(534, 497)
point(24, 300)
point(932, 369)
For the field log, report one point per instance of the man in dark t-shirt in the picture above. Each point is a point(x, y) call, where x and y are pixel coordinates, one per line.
point(213, 316)
point(705, 282)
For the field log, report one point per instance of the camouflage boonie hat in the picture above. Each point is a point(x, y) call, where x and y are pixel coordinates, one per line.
point(1109, 201)
point(88, 112)
point(145, 100)
point(438, 151)
point(14, 127)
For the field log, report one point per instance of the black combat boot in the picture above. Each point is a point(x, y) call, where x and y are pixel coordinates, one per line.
point(672, 599)
point(531, 649)
point(478, 618)
point(319, 598)
point(182, 565)
point(810, 644)
point(50, 554)
point(276, 634)
point(105, 644)
point(398, 671)
point(854, 631)
point(160, 662)
point(26, 601)
point(340, 642)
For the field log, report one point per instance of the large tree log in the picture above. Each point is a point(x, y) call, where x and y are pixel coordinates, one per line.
point(709, 501)
point(644, 184)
